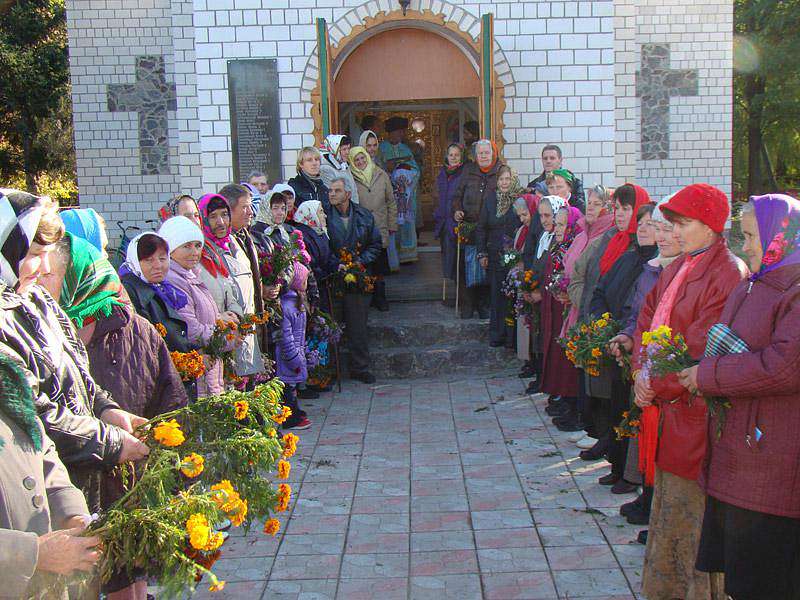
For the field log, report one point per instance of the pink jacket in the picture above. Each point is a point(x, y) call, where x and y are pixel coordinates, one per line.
point(200, 314)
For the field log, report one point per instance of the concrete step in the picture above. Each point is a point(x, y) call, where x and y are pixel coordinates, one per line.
point(433, 324)
point(458, 358)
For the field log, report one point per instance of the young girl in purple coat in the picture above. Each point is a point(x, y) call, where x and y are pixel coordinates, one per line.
point(291, 345)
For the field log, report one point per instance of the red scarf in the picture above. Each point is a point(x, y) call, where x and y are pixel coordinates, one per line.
point(495, 156)
point(622, 239)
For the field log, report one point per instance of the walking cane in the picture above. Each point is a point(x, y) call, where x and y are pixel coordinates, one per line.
point(444, 289)
point(336, 345)
point(458, 268)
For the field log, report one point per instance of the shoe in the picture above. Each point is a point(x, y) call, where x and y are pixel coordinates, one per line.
point(527, 371)
point(496, 344)
point(307, 394)
point(223, 525)
point(557, 410)
point(642, 537)
point(301, 424)
point(570, 426)
point(638, 516)
point(631, 506)
point(553, 400)
point(577, 437)
point(586, 442)
point(623, 487)
point(610, 479)
point(533, 388)
point(596, 452)
point(363, 377)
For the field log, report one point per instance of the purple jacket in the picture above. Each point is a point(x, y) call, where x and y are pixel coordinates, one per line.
point(645, 283)
point(758, 470)
point(443, 215)
point(290, 355)
point(200, 315)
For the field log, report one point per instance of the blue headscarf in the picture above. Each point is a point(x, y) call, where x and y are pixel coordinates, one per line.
point(85, 224)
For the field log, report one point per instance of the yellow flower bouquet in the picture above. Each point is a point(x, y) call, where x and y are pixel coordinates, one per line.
point(586, 343)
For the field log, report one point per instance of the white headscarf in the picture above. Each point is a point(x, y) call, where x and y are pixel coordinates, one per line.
point(362, 139)
point(132, 254)
point(330, 151)
point(306, 214)
point(556, 203)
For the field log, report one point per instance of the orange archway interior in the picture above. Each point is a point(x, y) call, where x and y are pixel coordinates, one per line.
point(405, 64)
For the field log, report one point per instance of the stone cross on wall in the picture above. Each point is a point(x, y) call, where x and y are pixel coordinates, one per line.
point(656, 83)
point(151, 97)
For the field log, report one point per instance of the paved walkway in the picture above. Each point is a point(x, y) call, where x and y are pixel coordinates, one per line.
point(438, 490)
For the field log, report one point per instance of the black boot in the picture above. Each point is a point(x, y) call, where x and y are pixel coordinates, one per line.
point(596, 452)
point(640, 515)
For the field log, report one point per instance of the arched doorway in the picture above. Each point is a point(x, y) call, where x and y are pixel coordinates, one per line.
point(416, 74)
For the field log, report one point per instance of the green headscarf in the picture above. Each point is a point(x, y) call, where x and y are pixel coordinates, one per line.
point(567, 175)
point(91, 285)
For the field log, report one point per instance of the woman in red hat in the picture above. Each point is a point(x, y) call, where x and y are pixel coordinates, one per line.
point(689, 298)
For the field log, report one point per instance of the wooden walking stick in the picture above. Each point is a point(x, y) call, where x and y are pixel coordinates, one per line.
point(336, 345)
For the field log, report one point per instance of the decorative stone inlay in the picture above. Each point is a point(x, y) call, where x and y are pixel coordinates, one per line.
point(656, 83)
point(151, 97)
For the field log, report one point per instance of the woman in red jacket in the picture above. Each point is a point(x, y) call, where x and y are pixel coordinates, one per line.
point(689, 298)
point(751, 528)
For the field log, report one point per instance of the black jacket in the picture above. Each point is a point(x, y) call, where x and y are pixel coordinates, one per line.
point(305, 189)
point(361, 237)
point(474, 190)
point(155, 310)
point(493, 233)
point(324, 263)
point(615, 287)
point(578, 199)
point(67, 398)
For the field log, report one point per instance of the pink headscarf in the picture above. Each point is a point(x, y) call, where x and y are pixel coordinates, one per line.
point(300, 276)
point(206, 205)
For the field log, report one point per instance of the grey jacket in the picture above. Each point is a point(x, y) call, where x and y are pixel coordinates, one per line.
point(36, 497)
point(69, 403)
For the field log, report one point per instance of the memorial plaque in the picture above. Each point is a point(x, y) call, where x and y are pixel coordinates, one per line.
point(255, 124)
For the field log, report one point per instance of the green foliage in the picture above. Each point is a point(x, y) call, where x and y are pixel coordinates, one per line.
point(36, 121)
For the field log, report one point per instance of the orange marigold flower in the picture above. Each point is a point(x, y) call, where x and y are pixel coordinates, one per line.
point(241, 407)
point(283, 469)
point(286, 412)
point(272, 526)
point(239, 513)
point(596, 352)
point(216, 586)
point(192, 465)
point(169, 433)
point(162, 331)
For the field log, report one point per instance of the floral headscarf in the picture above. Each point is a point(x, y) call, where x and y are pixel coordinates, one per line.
point(556, 203)
point(573, 228)
point(170, 209)
point(211, 259)
point(307, 215)
point(778, 218)
point(506, 199)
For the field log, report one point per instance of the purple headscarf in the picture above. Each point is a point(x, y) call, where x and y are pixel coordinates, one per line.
point(778, 218)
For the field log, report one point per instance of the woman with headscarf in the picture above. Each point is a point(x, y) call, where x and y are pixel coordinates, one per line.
point(525, 207)
point(127, 356)
point(371, 143)
point(87, 224)
point(377, 196)
point(181, 205)
point(478, 184)
point(271, 222)
point(751, 525)
point(307, 184)
point(335, 152)
point(444, 225)
point(688, 298)
point(559, 376)
point(598, 258)
point(495, 231)
point(91, 432)
point(311, 221)
point(562, 182)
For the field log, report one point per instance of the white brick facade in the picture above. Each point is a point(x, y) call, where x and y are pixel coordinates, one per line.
point(568, 70)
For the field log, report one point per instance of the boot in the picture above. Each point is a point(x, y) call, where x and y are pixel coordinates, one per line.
point(640, 515)
point(379, 296)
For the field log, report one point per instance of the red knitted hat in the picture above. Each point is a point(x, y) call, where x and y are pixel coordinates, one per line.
point(703, 202)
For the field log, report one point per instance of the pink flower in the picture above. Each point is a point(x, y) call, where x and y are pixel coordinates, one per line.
point(776, 250)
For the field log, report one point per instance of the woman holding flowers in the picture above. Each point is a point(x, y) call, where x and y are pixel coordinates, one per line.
point(494, 233)
point(200, 311)
point(751, 527)
point(687, 300)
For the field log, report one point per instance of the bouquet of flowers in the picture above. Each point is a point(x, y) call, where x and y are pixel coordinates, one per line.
point(665, 352)
point(586, 343)
point(218, 451)
point(510, 256)
point(275, 268)
point(354, 277)
point(558, 284)
point(464, 232)
point(189, 365)
point(323, 327)
point(629, 426)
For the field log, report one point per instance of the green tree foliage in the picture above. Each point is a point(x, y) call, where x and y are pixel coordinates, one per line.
point(767, 95)
point(36, 120)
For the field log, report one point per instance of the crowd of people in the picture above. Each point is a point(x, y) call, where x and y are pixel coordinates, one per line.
point(86, 347)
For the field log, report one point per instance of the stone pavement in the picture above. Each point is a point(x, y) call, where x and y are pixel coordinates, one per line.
point(437, 489)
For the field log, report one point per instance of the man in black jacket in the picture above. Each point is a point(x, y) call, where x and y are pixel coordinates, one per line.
point(352, 228)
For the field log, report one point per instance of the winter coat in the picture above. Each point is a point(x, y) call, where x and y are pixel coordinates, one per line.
point(324, 263)
point(305, 189)
point(290, 356)
point(248, 354)
point(68, 400)
point(445, 190)
point(155, 310)
point(474, 190)
point(493, 233)
point(578, 198)
point(361, 237)
point(36, 497)
point(247, 243)
point(630, 312)
point(200, 315)
point(223, 290)
point(614, 288)
point(378, 198)
point(763, 386)
point(698, 305)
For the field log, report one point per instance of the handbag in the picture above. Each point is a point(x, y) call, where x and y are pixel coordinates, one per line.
point(474, 273)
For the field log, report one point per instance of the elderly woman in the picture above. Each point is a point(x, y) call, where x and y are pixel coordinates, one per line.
point(497, 225)
point(92, 434)
point(478, 184)
point(525, 207)
point(377, 196)
point(41, 513)
point(598, 258)
point(181, 205)
point(444, 228)
point(87, 224)
point(688, 298)
point(307, 184)
point(751, 525)
point(127, 356)
point(271, 223)
point(335, 161)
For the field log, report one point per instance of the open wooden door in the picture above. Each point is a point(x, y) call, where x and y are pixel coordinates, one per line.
point(487, 100)
point(327, 104)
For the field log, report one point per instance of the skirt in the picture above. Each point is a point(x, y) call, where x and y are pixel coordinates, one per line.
point(676, 519)
point(758, 553)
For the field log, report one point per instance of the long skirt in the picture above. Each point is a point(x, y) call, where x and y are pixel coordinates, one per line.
point(559, 375)
point(676, 519)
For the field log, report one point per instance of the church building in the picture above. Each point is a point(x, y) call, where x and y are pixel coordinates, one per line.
point(185, 96)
